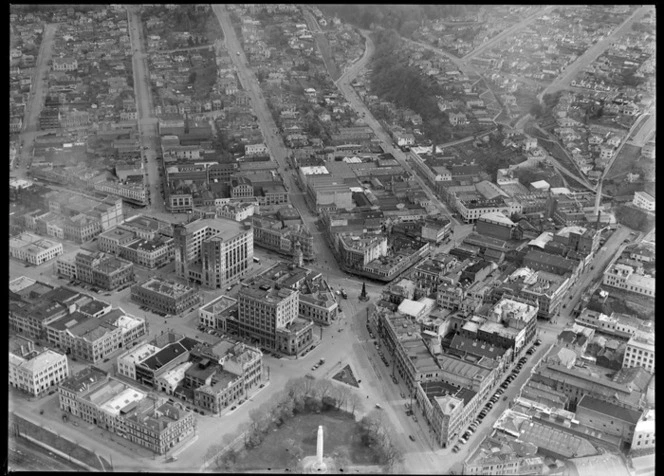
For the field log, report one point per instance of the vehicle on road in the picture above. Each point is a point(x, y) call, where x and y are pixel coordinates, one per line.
point(238, 53)
point(455, 449)
point(412, 438)
point(378, 405)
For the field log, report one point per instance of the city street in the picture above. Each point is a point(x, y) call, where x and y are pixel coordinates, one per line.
point(147, 123)
point(37, 97)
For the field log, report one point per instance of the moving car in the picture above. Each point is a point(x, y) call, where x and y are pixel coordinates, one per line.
point(412, 438)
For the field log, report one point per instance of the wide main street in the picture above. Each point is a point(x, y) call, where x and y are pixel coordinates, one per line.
point(147, 122)
point(36, 100)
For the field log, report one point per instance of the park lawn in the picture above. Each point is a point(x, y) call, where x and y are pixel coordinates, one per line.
point(298, 436)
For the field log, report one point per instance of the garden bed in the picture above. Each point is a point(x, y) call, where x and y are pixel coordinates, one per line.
point(346, 376)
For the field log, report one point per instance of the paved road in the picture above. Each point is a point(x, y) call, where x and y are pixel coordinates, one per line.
point(322, 44)
point(358, 65)
point(147, 122)
point(36, 101)
point(613, 245)
point(592, 53)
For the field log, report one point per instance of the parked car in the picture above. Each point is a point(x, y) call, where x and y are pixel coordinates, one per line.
point(455, 449)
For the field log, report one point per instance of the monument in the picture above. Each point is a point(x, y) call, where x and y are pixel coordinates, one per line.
point(318, 463)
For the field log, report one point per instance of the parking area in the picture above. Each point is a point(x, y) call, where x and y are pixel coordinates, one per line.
point(499, 393)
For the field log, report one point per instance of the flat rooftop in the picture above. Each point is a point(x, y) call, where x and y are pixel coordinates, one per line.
point(81, 381)
point(167, 288)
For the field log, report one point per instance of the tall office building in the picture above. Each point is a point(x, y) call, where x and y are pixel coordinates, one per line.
point(268, 313)
point(213, 252)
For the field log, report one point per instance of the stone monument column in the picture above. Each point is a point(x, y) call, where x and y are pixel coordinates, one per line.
point(319, 446)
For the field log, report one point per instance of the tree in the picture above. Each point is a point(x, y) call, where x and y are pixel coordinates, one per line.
point(212, 452)
point(354, 401)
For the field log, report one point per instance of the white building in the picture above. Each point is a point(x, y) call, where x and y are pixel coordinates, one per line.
point(35, 371)
point(34, 249)
point(623, 276)
point(214, 313)
point(644, 432)
point(644, 200)
point(66, 265)
point(640, 352)
point(239, 211)
point(255, 149)
point(127, 361)
point(170, 380)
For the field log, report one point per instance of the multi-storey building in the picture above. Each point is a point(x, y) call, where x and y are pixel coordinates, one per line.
point(607, 417)
point(37, 304)
point(496, 225)
point(640, 352)
point(644, 432)
point(623, 276)
point(358, 251)
point(547, 289)
point(94, 338)
point(127, 361)
point(132, 192)
point(269, 315)
point(81, 228)
point(145, 420)
point(511, 324)
point(35, 371)
point(282, 234)
point(472, 209)
point(644, 200)
point(236, 369)
point(34, 249)
point(213, 252)
point(217, 312)
point(165, 296)
point(436, 229)
point(102, 270)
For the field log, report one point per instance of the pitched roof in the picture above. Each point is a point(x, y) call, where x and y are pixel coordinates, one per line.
point(609, 409)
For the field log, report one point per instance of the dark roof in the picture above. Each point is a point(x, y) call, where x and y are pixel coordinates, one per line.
point(607, 408)
point(164, 356)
